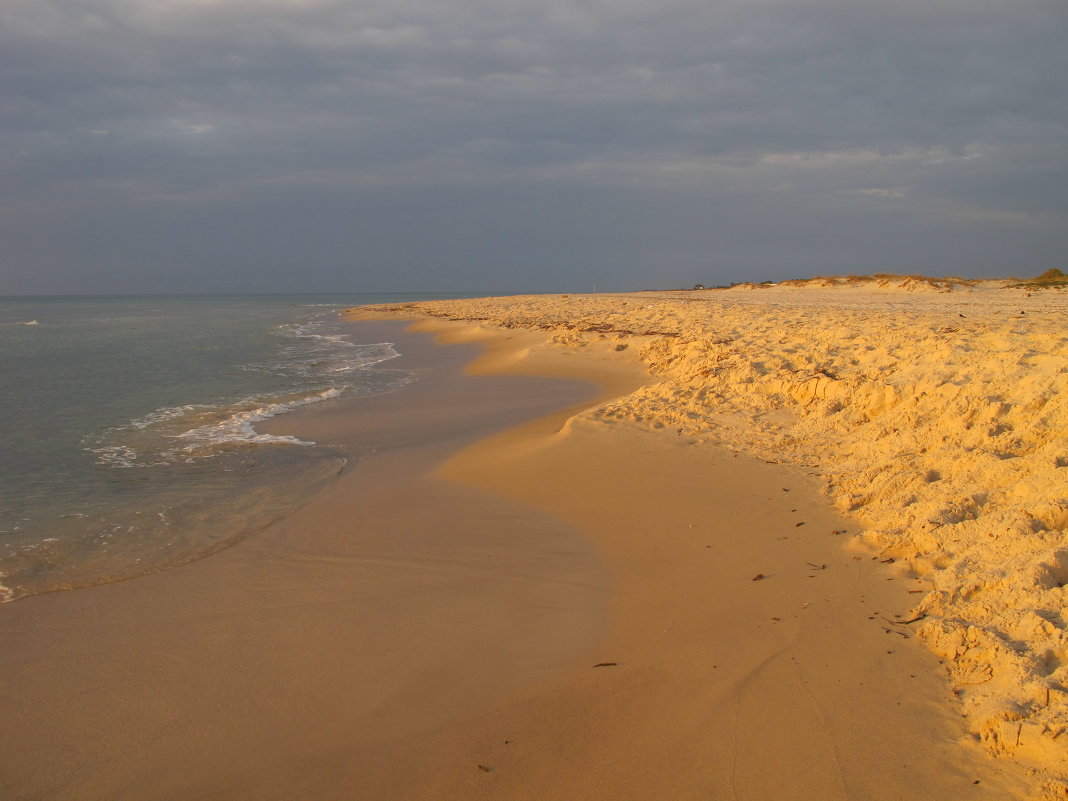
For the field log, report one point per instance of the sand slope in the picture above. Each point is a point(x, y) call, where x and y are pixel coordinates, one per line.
point(936, 414)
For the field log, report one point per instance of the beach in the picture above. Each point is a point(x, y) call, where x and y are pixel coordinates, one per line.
point(284, 666)
point(932, 413)
point(648, 545)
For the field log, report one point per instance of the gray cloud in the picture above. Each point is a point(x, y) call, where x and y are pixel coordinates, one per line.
point(515, 145)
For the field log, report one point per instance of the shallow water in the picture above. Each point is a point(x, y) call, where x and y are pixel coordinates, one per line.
point(128, 432)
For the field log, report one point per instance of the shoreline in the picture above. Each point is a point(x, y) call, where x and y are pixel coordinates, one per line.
point(134, 455)
point(765, 371)
point(709, 665)
point(300, 662)
point(800, 683)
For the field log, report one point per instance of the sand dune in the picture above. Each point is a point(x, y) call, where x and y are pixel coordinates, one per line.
point(935, 412)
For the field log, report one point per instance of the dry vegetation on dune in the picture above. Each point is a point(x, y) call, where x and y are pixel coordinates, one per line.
point(1050, 279)
point(897, 283)
point(886, 281)
point(936, 411)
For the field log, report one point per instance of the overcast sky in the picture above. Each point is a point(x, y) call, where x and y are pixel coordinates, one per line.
point(526, 145)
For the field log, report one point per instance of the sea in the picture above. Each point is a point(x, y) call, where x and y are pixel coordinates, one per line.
point(128, 439)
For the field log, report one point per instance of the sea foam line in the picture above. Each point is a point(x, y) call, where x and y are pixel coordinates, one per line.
point(238, 427)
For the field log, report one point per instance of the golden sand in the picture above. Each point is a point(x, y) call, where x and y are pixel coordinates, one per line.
point(934, 414)
point(604, 602)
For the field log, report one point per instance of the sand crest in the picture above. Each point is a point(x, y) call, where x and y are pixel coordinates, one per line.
point(936, 415)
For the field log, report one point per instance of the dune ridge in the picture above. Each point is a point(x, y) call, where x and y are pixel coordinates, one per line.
point(936, 412)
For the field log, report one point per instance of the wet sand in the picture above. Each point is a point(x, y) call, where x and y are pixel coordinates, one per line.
point(429, 627)
point(286, 666)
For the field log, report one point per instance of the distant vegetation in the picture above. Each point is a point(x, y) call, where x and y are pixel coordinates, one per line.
point(879, 279)
point(1051, 278)
point(885, 279)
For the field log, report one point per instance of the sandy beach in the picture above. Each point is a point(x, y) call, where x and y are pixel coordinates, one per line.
point(286, 666)
point(931, 413)
point(654, 545)
point(534, 401)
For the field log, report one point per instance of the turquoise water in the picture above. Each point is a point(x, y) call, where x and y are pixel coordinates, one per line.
point(128, 426)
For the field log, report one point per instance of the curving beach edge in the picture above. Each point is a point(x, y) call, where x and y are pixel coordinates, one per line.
point(933, 414)
point(793, 542)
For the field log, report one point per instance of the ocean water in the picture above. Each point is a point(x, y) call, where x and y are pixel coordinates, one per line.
point(128, 439)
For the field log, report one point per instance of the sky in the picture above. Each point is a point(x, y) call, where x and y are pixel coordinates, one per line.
point(526, 145)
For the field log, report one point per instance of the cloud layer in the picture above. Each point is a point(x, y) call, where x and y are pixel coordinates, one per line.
point(513, 145)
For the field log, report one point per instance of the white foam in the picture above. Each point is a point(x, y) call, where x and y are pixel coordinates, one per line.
point(326, 353)
point(239, 427)
point(165, 414)
point(363, 362)
point(196, 431)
